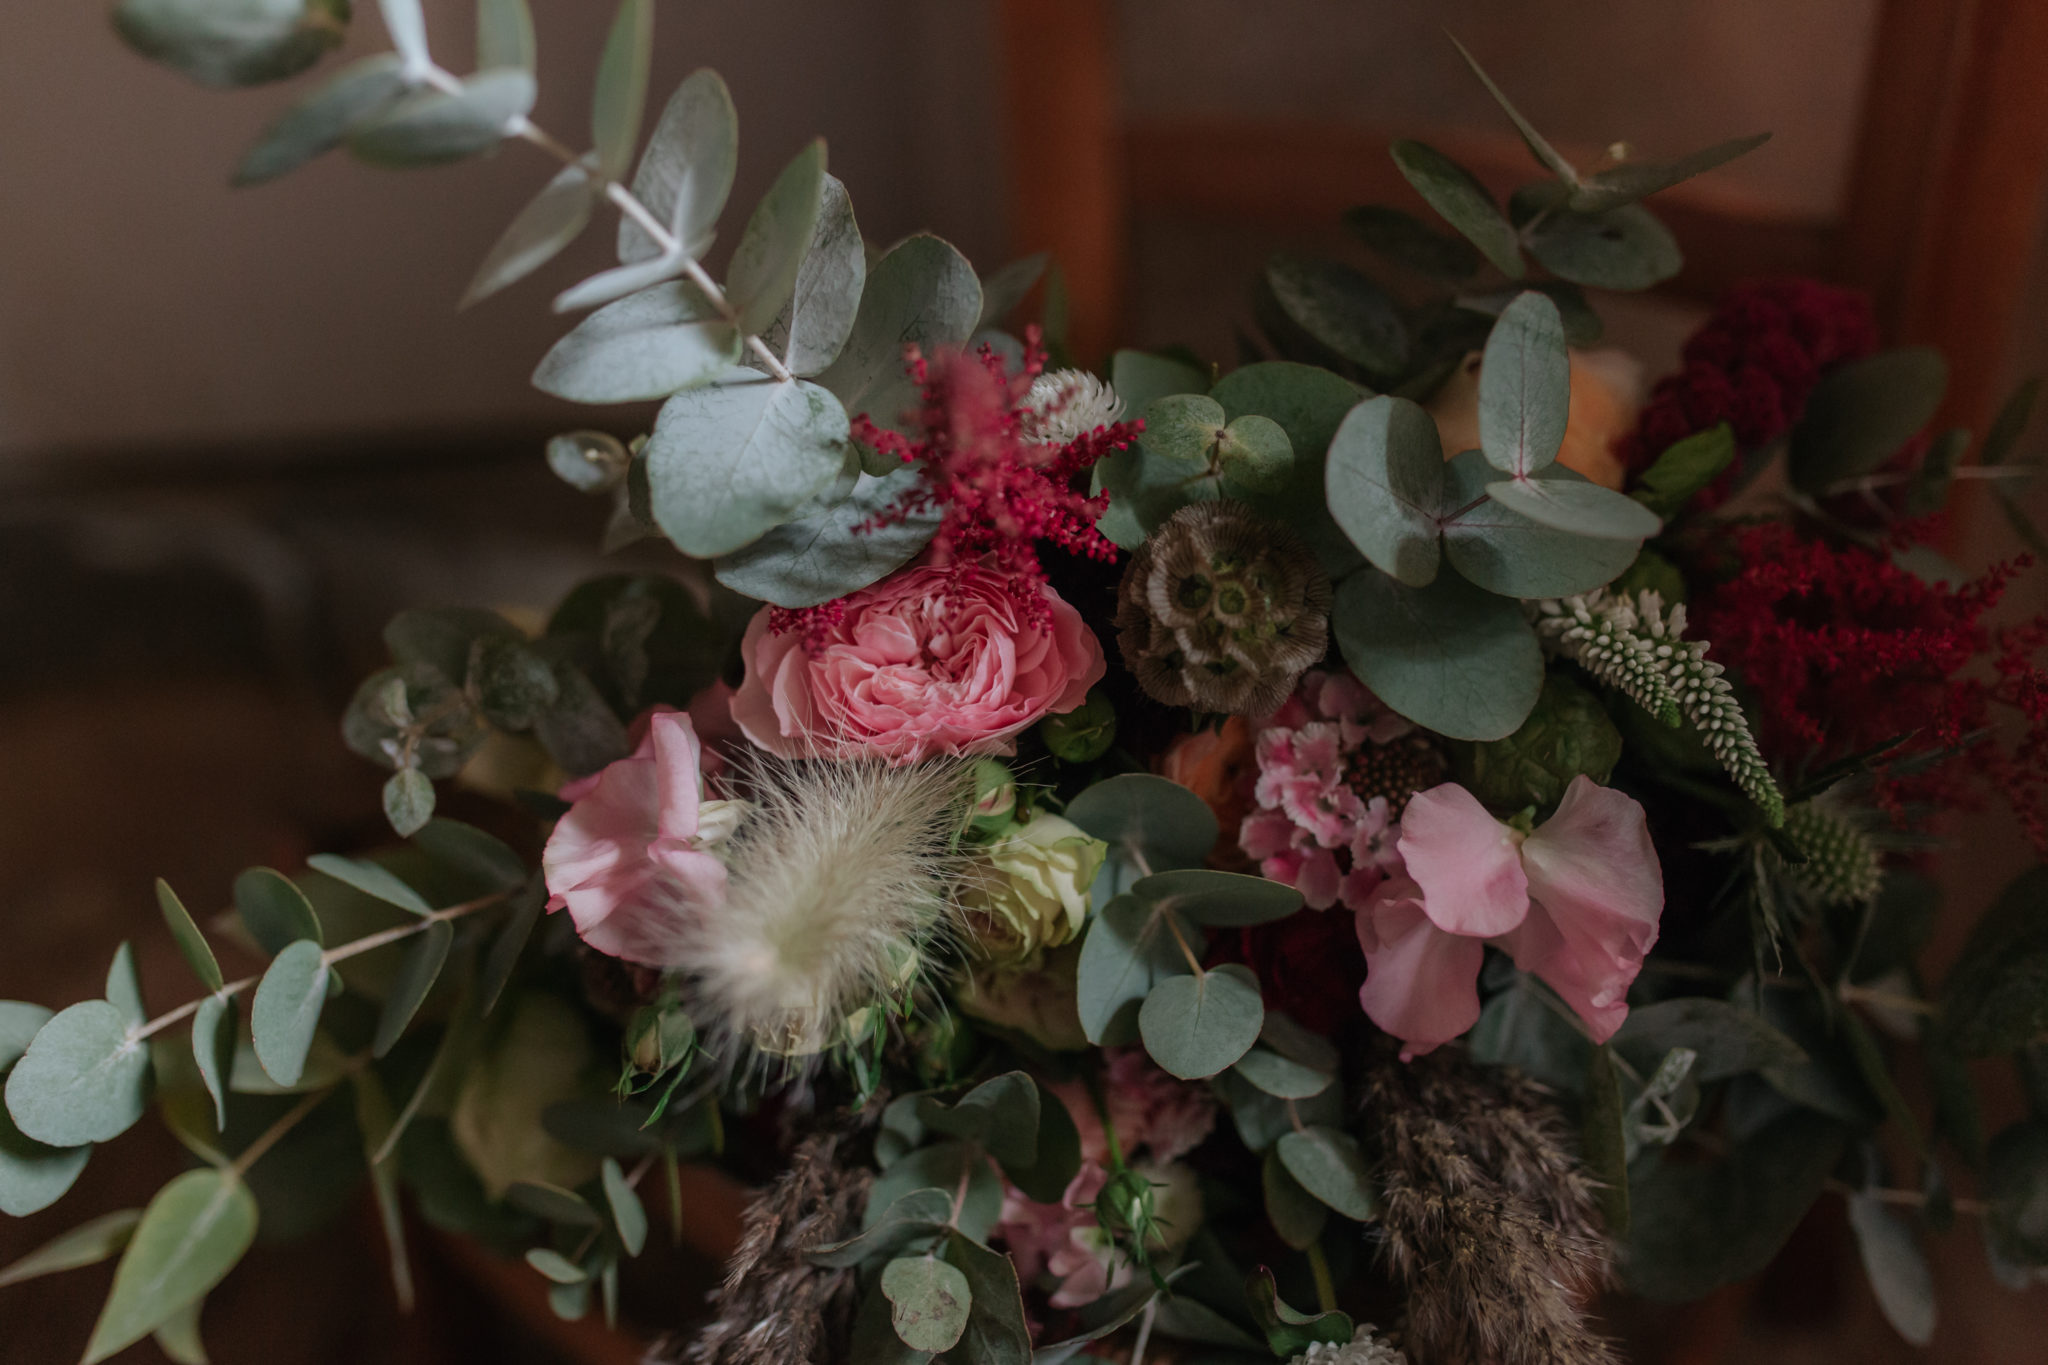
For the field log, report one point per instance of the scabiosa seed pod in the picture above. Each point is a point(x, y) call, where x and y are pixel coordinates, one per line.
point(1222, 610)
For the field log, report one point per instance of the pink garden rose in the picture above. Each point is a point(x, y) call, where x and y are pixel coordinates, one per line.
point(628, 859)
point(928, 661)
point(1576, 903)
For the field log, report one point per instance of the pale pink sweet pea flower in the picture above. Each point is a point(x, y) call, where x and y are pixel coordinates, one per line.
point(1576, 903)
point(627, 860)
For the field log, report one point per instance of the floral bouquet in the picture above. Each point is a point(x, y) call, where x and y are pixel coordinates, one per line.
point(1172, 868)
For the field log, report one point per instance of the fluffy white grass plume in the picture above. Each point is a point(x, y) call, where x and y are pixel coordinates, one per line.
point(839, 875)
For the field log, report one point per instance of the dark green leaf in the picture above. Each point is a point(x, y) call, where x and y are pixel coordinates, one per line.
point(1684, 469)
point(274, 910)
point(34, 1175)
point(1862, 412)
point(726, 465)
point(1003, 289)
point(2016, 1189)
point(1897, 1268)
point(552, 1202)
point(1451, 657)
point(996, 1330)
point(629, 1216)
point(1406, 240)
point(1197, 1025)
point(1000, 1115)
point(2010, 423)
point(1058, 1155)
point(1222, 899)
point(1728, 1039)
point(478, 858)
point(1633, 180)
point(1150, 824)
point(1288, 1331)
point(1140, 378)
point(1546, 155)
point(215, 1032)
point(499, 962)
point(371, 879)
point(1996, 997)
point(1624, 249)
point(1605, 1142)
point(1297, 1215)
point(417, 973)
point(1342, 309)
point(915, 1215)
point(1464, 203)
point(942, 1166)
point(1328, 1164)
point(190, 1236)
point(929, 1302)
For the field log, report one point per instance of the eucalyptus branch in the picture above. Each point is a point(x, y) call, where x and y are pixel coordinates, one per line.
point(272, 1135)
point(1872, 482)
point(1910, 1199)
point(369, 943)
point(628, 204)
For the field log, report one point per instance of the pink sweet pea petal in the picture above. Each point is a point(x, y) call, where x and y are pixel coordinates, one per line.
point(1421, 984)
point(1466, 862)
point(1594, 875)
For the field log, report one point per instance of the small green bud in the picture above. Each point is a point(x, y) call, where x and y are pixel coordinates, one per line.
point(1083, 734)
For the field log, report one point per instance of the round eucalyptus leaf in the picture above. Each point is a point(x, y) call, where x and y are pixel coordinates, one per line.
point(1384, 483)
point(1140, 378)
point(928, 1302)
point(408, 801)
point(83, 1078)
point(190, 1237)
point(1465, 204)
point(660, 341)
point(1282, 1077)
point(1525, 387)
point(1220, 899)
point(1504, 552)
point(686, 172)
point(274, 910)
point(234, 42)
point(942, 1166)
point(923, 291)
point(430, 127)
point(555, 1267)
point(287, 1010)
point(1182, 431)
point(1624, 248)
point(321, 122)
point(1195, 1026)
point(1576, 506)
point(727, 465)
point(1150, 824)
point(1451, 657)
point(837, 549)
point(1407, 240)
point(1328, 1164)
point(34, 1175)
point(1254, 456)
point(771, 251)
point(1342, 309)
point(589, 461)
point(629, 1215)
point(552, 1202)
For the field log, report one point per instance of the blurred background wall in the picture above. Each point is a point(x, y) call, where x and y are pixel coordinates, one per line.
point(239, 428)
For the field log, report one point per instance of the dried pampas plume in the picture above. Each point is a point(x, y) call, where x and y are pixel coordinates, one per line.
point(837, 877)
point(1489, 1220)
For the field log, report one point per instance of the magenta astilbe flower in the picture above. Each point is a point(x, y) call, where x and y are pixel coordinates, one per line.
point(1313, 828)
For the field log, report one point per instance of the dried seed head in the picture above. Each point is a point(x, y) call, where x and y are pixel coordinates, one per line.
point(1222, 610)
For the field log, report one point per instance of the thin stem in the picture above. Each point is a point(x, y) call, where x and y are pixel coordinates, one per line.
point(1326, 1288)
point(1173, 927)
point(1866, 995)
point(1872, 482)
point(270, 1136)
point(1145, 1332)
point(328, 958)
point(1910, 1199)
point(628, 203)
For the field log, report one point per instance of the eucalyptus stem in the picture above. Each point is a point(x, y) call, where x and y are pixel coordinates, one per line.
point(272, 1135)
point(1910, 1199)
point(1326, 1287)
point(1866, 995)
point(629, 204)
point(356, 948)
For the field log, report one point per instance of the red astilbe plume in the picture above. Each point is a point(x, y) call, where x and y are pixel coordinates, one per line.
point(998, 489)
point(1845, 650)
point(1753, 364)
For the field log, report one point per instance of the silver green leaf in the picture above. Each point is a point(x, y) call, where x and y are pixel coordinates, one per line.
point(430, 127)
point(764, 267)
point(1624, 248)
point(83, 1079)
point(321, 122)
point(923, 291)
point(1129, 950)
point(686, 172)
point(417, 972)
point(1451, 657)
point(629, 1216)
point(1525, 387)
point(1573, 504)
point(620, 96)
point(726, 465)
point(1892, 1258)
point(659, 341)
point(190, 1237)
point(1195, 1026)
point(1328, 1164)
point(372, 879)
point(1464, 203)
point(1342, 309)
point(836, 549)
point(19, 1023)
point(1633, 180)
point(1384, 481)
point(928, 1302)
point(274, 910)
point(1504, 552)
point(551, 220)
point(1539, 147)
point(504, 34)
point(407, 25)
point(234, 42)
point(192, 943)
point(214, 1035)
point(812, 328)
point(408, 800)
point(34, 1175)
point(1219, 899)
point(87, 1244)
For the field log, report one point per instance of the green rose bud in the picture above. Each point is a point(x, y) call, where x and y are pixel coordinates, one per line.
point(1083, 734)
point(1029, 892)
point(995, 794)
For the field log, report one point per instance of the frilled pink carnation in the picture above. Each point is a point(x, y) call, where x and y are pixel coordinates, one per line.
point(929, 661)
point(1576, 903)
point(1307, 813)
point(625, 861)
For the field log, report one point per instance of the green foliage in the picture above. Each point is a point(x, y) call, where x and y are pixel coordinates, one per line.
point(1604, 1140)
point(1327, 1163)
point(417, 973)
point(1407, 241)
point(1633, 180)
point(1726, 1039)
point(1197, 1025)
point(544, 228)
point(812, 328)
point(274, 911)
point(1150, 824)
point(234, 42)
point(1296, 1215)
point(686, 173)
point(629, 1216)
point(1860, 414)
point(1384, 483)
point(323, 120)
point(1140, 379)
point(620, 95)
point(996, 1332)
point(1996, 997)
point(1464, 203)
point(190, 1236)
point(408, 800)
point(287, 1010)
point(1567, 735)
point(662, 340)
point(191, 943)
point(941, 1166)
point(924, 292)
point(1501, 550)
point(33, 1175)
point(1450, 657)
point(215, 1032)
point(913, 1218)
point(1309, 404)
point(372, 879)
point(1288, 1330)
point(640, 638)
point(1129, 951)
point(1684, 468)
point(430, 127)
point(1899, 1276)
point(1342, 309)
point(89, 1243)
point(82, 1079)
point(929, 1302)
point(764, 267)
point(727, 465)
point(1565, 501)
point(1525, 385)
point(838, 547)
point(1083, 734)
point(2016, 1189)
point(1623, 249)
point(504, 34)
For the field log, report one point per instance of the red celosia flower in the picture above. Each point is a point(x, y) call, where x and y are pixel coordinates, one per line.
point(1753, 364)
point(998, 491)
point(1845, 650)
